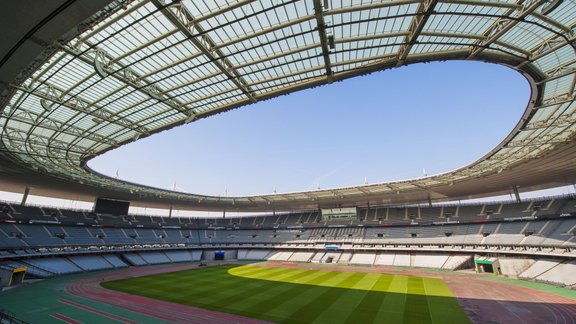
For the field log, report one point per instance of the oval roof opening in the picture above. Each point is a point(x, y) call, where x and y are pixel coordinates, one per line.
point(391, 125)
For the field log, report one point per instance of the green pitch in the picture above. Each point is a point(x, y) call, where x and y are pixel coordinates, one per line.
point(295, 295)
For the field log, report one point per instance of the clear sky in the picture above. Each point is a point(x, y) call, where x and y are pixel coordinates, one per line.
point(386, 126)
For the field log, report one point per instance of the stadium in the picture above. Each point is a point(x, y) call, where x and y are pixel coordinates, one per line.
point(79, 79)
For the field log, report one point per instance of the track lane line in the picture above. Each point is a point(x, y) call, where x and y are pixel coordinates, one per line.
point(99, 312)
point(64, 319)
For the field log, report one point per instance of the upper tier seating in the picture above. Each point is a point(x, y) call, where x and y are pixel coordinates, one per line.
point(36, 227)
point(547, 232)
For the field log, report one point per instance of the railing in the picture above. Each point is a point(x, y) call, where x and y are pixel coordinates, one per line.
point(9, 318)
point(491, 202)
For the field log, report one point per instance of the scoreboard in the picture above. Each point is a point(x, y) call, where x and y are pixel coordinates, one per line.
point(331, 214)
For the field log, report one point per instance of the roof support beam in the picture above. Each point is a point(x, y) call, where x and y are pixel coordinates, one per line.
point(424, 11)
point(54, 94)
point(181, 18)
point(363, 190)
point(549, 46)
point(196, 20)
point(563, 98)
point(128, 76)
point(58, 127)
point(279, 55)
point(560, 71)
point(560, 122)
point(432, 34)
point(398, 3)
point(265, 31)
point(504, 24)
point(319, 14)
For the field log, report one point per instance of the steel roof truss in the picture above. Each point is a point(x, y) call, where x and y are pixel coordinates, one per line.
point(183, 20)
point(418, 22)
point(321, 28)
point(503, 24)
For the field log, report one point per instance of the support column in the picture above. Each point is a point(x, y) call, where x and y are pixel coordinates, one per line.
point(25, 196)
point(170, 212)
point(224, 213)
point(516, 194)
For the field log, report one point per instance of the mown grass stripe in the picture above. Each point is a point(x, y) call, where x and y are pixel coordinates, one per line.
point(367, 309)
point(269, 298)
point(256, 287)
point(350, 297)
point(279, 296)
point(314, 308)
point(392, 308)
point(317, 300)
point(416, 308)
point(285, 305)
point(336, 280)
point(440, 299)
point(228, 290)
point(250, 271)
point(256, 272)
point(285, 277)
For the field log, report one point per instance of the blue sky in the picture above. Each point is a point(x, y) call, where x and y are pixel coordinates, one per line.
point(386, 126)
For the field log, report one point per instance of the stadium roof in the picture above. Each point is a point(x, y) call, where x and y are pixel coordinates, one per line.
point(80, 78)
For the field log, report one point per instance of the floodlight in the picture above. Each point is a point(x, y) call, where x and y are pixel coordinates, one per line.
point(331, 42)
point(46, 104)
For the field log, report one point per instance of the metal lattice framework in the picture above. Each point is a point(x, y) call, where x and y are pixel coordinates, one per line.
point(152, 65)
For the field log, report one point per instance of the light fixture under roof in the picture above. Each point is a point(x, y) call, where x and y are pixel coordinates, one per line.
point(190, 119)
point(46, 105)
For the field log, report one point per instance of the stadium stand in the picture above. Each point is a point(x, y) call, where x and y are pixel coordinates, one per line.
point(114, 260)
point(428, 261)
point(384, 259)
point(538, 268)
point(345, 258)
point(331, 257)
point(54, 265)
point(179, 256)
point(402, 260)
point(154, 257)
point(457, 262)
point(301, 256)
point(134, 259)
point(561, 274)
point(254, 255)
point(512, 267)
point(534, 240)
point(280, 256)
point(90, 262)
point(363, 258)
